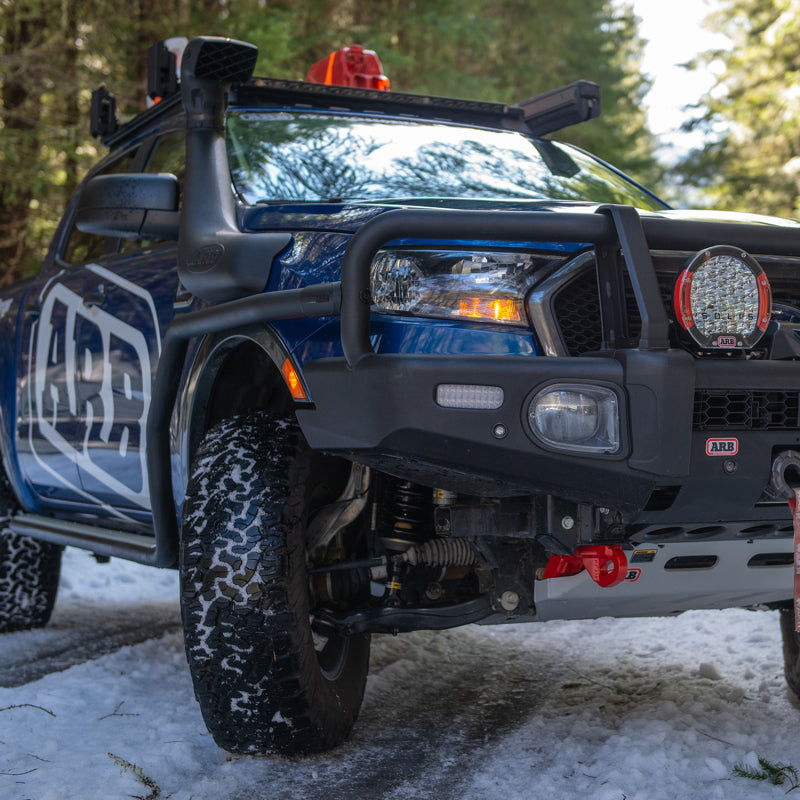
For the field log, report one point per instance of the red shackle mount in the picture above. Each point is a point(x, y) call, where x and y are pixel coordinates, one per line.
point(606, 564)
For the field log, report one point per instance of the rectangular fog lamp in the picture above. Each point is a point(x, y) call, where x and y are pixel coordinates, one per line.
point(466, 395)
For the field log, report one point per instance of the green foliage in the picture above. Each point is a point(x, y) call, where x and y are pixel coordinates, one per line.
point(776, 774)
point(53, 52)
point(752, 116)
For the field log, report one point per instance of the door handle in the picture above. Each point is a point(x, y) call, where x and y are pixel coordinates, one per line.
point(94, 298)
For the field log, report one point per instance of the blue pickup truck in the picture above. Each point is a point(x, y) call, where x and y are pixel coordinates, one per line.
point(357, 362)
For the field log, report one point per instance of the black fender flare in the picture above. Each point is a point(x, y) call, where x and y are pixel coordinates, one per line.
point(236, 316)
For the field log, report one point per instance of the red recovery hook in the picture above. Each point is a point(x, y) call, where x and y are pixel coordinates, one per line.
point(606, 564)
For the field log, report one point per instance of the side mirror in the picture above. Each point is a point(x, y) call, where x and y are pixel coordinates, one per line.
point(131, 206)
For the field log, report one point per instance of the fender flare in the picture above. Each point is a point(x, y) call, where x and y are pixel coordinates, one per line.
point(197, 387)
point(319, 300)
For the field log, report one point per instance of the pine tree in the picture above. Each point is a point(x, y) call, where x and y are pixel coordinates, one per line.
point(752, 116)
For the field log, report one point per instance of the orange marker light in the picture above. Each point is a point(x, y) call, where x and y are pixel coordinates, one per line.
point(293, 381)
point(502, 310)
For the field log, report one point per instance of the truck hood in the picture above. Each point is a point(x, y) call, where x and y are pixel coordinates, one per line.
point(695, 215)
point(349, 217)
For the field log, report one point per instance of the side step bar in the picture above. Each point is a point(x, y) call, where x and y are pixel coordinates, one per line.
point(102, 541)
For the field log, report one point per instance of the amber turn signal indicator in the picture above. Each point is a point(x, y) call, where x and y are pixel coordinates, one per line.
point(293, 381)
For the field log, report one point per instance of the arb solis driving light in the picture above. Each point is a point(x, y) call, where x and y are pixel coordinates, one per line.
point(723, 299)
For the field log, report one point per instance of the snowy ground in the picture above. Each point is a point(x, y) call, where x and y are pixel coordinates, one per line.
point(603, 710)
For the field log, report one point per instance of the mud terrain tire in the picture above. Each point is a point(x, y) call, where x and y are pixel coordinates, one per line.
point(29, 573)
point(261, 684)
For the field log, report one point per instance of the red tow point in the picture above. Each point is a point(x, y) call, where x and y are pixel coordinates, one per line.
point(606, 564)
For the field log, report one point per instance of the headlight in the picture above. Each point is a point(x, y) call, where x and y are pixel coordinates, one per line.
point(485, 286)
point(723, 299)
point(577, 418)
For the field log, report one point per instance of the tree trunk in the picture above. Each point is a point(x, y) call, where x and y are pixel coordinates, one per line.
point(20, 110)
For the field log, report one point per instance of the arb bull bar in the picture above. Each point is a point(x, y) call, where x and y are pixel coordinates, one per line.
point(353, 407)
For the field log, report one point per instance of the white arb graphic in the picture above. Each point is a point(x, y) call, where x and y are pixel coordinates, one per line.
point(91, 378)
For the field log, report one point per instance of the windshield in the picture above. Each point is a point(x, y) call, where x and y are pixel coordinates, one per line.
point(324, 157)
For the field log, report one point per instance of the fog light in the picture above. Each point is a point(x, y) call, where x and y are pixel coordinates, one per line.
point(465, 395)
point(576, 418)
point(723, 299)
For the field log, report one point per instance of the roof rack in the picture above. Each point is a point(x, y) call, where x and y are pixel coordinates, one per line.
point(540, 115)
point(302, 93)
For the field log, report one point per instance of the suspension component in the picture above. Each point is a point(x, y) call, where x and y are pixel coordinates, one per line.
point(338, 515)
point(339, 585)
point(408, 514)
point(443, 497)
point(441, 553)
point(395, 584)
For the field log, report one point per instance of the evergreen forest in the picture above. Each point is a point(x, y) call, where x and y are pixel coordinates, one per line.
point(54, 52)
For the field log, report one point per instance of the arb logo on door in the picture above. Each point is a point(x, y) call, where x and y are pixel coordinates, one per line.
point(722, 447)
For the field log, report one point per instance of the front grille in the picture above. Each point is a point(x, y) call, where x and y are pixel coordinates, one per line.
point(577, 310)
point(745, 410)
point(576, 304)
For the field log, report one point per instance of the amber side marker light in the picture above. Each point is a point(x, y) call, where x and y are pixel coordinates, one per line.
point(293, 381)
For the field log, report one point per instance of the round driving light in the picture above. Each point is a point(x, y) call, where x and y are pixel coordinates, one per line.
point(723, 299)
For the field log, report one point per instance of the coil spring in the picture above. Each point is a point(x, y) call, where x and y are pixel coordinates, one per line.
point(409, 511)
point(441, 553)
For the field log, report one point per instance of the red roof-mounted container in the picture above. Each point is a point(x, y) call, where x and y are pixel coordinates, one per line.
point(350, 66)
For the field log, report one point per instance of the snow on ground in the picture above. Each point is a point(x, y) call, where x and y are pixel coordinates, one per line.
point(608, 710)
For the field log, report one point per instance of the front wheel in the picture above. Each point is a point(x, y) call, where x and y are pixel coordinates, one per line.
point(29, 573)
point(264, 682)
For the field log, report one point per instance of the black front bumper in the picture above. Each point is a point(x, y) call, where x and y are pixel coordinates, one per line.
point(383, 412)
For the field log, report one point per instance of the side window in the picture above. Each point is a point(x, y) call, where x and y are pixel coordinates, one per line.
point(81, 246)
point(168, 155)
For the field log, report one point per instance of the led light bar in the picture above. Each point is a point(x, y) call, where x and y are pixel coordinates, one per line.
point(723, 299)
point(465, 395)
